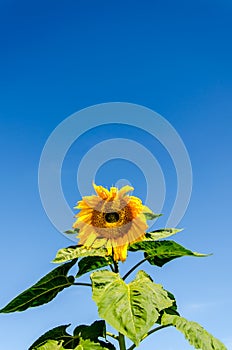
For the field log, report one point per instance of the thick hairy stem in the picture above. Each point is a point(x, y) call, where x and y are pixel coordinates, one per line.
point(121, 340)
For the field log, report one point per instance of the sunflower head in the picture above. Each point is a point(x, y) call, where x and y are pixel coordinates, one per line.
point(111, 219)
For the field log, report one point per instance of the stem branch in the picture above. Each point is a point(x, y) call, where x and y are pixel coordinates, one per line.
point(111, 267)
point(133, 268)
point(82, 284)
point(112, 335)
point(149, 333)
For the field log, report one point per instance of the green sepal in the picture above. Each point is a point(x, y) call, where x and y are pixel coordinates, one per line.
point(161, 252)
point(90, 263)
point(77, 251)
point(193, 332)
point(43, 291)
point(130, 308)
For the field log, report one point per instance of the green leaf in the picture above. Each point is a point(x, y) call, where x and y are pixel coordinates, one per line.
point(91, 263)
point(83, 338)
point(130, 308)
point(152, 216)
point(172, 310)
point(87, 344)
point(43, 291)
point(51, 345)
point(92, 332)
point(59, 334)
point(193, 332)
point(161, 252)
point(89, 336)
point(160, 234)
point(74, 252)
point(72, 232)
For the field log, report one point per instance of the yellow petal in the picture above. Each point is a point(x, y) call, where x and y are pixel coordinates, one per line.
point(90, 239)
point(113, 192)
point(124, 190)
point(101, 191)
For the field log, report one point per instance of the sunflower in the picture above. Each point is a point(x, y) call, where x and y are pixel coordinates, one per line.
point(111, 219)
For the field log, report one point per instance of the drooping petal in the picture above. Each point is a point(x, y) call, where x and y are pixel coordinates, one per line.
point(124, 190)
point(101, 191)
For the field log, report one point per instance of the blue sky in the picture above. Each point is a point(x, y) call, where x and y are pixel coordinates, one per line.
point(172, 57)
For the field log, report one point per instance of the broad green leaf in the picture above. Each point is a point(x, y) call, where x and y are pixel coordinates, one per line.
point(89, 336)
point(87, 344)
point(84, 337)
point(193, 332)
point(172, 310)
point(161, 252)
point(151, 216)
point(74, 252)
point(51, 345)
point(43, 291)
point(130, 308)
point(90, 263)
point(92, 332)
point(56, 334)
point(160, 234)
point(55, 345)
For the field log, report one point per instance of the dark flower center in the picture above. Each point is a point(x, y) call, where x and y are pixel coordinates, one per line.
point(112, 217)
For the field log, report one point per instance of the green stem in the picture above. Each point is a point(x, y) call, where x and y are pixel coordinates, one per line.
point(116, 270)
point(112, 268)
point(133, 268)
point(112, 335)
point(82, 284)
point(121, 340)
point(149, 333)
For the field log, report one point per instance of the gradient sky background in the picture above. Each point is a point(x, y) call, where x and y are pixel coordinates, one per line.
point(173, 57)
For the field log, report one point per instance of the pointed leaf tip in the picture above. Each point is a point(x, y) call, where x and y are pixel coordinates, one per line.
point(151, 216)
point(161, 252)
point(43, 291)
point(160, 234)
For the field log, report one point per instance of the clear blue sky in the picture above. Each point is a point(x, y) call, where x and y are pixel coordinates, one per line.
point(58, 57)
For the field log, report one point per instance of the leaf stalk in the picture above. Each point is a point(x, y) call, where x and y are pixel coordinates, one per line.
point(112, 335)
point(133, 346)
point(121, 340)
point(82, 284)
point(133, 268)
